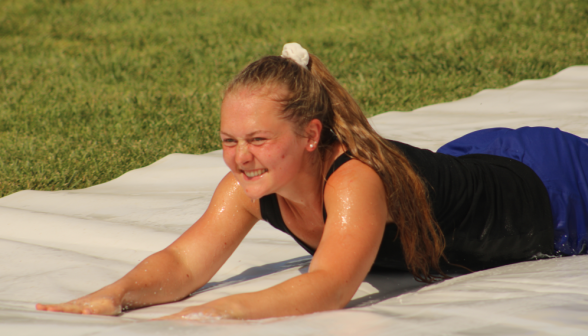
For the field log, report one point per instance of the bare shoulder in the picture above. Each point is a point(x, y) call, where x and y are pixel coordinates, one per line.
point(230, 196)
point(357, 183)
point(229, 211)
point(353, 174)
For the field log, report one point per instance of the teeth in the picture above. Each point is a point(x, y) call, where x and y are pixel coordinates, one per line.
point(255, 172)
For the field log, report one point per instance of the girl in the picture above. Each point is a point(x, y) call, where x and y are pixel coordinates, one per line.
point(304, 158)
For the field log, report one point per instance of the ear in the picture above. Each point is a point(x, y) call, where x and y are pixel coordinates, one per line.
point(313, 134)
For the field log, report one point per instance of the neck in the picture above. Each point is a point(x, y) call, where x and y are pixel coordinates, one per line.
point(306, 190)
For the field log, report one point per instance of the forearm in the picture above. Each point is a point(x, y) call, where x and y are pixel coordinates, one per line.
point(160, 278)
point(304, 294)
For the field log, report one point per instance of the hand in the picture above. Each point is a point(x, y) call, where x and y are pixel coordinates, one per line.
point(96, 303)
point(202, 313)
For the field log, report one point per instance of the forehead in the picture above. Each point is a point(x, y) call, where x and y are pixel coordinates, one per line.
point(246, 110)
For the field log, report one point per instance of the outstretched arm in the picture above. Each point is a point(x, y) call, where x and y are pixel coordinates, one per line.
point(186, 265)
point(355, 202)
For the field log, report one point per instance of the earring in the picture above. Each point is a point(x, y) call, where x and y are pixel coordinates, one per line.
point(311, 145)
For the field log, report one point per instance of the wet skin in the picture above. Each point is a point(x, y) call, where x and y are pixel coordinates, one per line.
point(266, 154)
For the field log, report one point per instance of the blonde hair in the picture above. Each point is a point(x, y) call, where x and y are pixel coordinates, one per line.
point(316, 94)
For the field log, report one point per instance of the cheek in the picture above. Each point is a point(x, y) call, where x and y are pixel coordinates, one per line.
point(276, 157)
point(286, 160)
point(229, 157)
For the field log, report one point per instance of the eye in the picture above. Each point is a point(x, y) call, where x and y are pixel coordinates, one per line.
point(258, 141)
point(228, 142)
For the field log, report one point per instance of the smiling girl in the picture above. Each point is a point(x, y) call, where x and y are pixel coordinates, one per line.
point(304, 158)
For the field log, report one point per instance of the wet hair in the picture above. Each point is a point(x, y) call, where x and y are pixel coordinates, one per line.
point(314, 93)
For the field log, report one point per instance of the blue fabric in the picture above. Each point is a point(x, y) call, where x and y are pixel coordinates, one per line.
point(560, 160)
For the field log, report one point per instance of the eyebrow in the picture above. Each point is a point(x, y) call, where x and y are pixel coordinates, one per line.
point(246, 135)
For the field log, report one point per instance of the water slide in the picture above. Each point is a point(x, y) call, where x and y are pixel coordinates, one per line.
point(59, 245)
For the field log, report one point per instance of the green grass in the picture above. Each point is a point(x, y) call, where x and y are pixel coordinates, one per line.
point(92, 89)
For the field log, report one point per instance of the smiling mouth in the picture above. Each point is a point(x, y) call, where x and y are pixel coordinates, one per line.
point(254, 173)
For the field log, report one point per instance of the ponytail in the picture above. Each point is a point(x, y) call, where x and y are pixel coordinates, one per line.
point(406, 195)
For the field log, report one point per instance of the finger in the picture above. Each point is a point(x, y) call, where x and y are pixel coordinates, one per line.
point(68, 307)
point(72, 308)
point(50, 308)
point(64, 308)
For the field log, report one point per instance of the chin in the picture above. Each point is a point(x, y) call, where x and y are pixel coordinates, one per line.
point(255, 189)
point(256, 196)
point(254, 192)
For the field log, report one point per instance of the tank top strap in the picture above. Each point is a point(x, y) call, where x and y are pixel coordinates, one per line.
point(339, 161)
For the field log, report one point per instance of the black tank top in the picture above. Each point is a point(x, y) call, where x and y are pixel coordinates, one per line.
point(492, 210)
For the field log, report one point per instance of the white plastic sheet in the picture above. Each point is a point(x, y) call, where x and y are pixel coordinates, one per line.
point(56, 246)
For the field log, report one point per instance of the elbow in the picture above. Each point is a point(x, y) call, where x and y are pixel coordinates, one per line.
point(344, 298)
point(341, 293)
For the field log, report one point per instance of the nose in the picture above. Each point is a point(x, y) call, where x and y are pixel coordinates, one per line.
point(242, 155)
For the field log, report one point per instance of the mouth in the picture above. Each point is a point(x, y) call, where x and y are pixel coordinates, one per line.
point(254, 173)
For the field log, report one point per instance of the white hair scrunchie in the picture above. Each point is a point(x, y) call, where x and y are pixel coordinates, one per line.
point(295, 52)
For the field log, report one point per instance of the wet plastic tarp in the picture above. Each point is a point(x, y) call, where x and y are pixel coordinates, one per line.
point(56, 246)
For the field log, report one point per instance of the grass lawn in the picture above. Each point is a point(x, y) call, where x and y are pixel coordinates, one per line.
point(90, 89)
